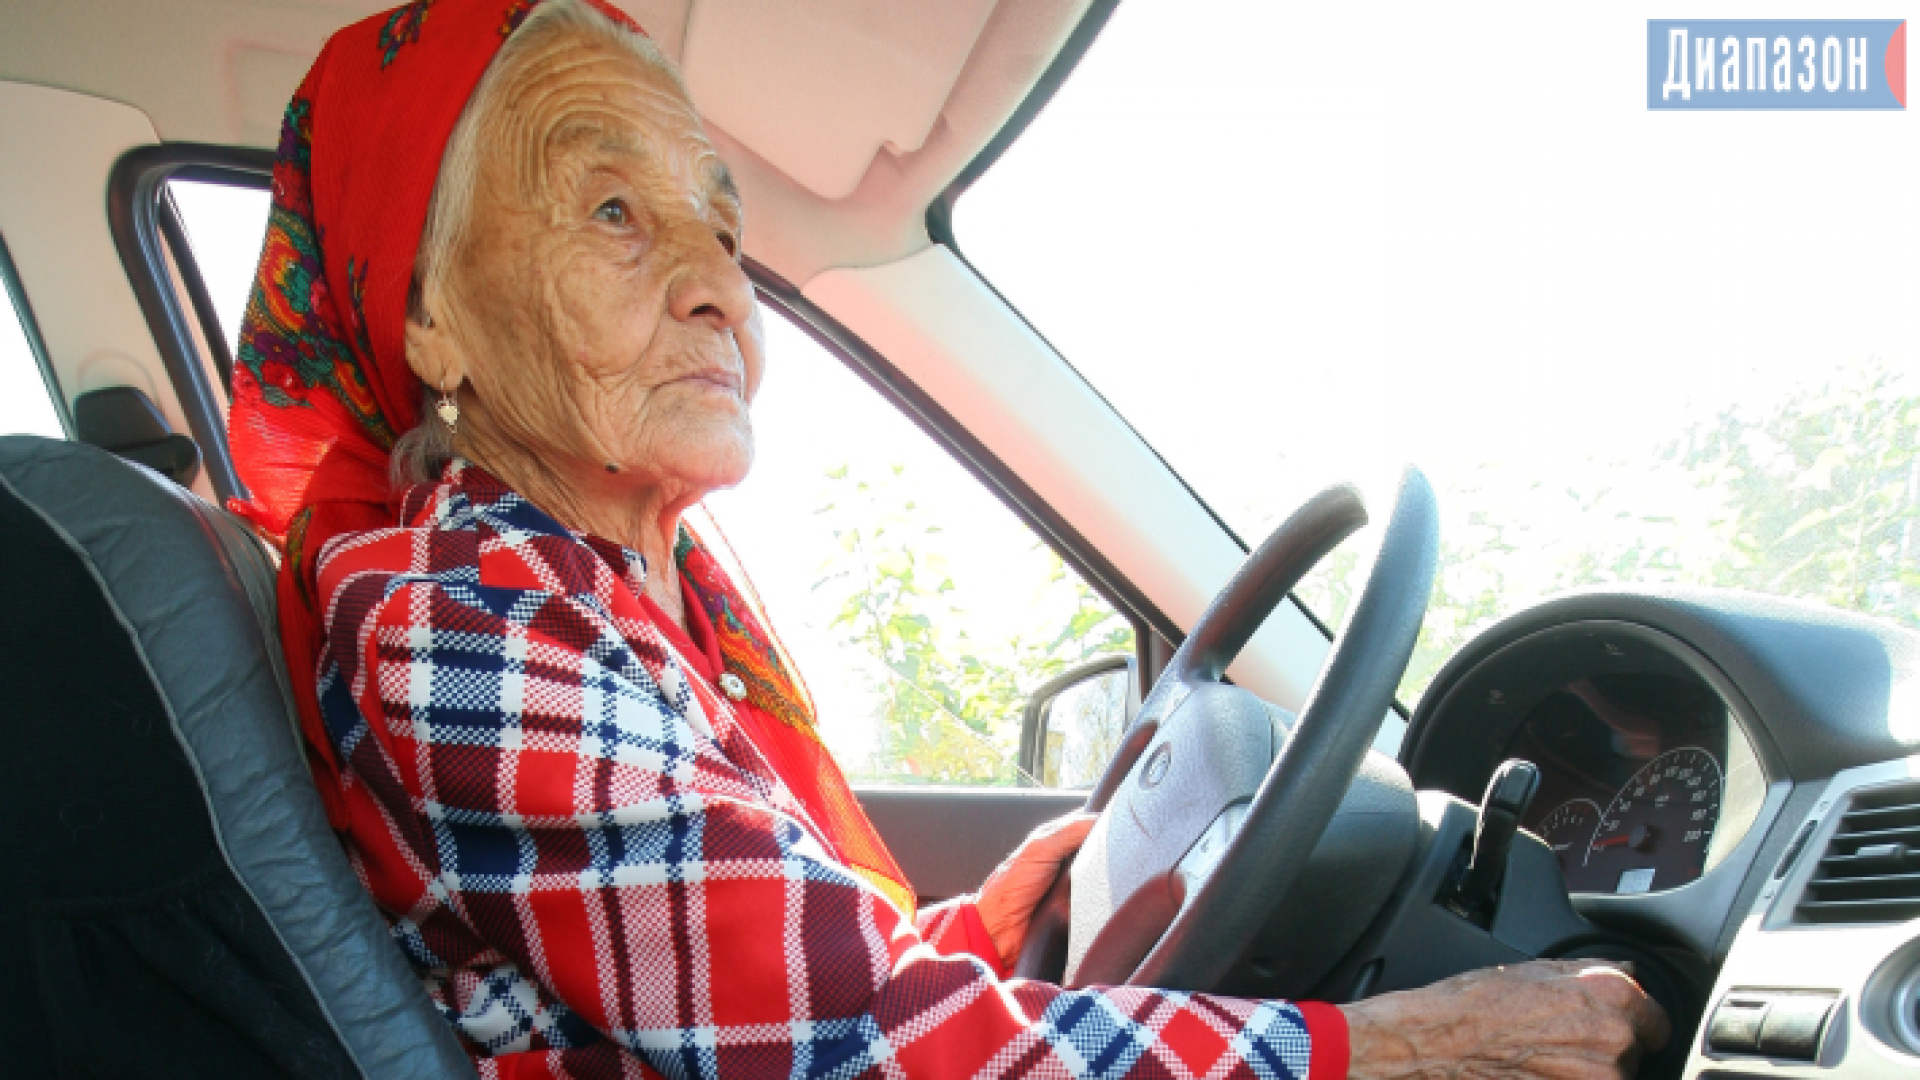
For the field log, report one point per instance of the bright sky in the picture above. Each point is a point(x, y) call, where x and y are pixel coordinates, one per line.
point(26, 407)
point(226, 226)
point(1299, 244)
point(1348, 236)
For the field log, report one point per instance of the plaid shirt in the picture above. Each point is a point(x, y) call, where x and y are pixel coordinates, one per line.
point(596, 873)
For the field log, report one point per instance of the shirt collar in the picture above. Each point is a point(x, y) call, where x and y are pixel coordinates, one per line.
point(523, 546)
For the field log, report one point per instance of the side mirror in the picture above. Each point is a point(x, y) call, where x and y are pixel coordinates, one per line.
point(1074, 723)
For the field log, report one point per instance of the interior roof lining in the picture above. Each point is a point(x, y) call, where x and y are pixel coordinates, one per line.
point(220, 71)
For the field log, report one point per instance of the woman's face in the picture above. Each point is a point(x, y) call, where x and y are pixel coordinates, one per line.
point(598, 307)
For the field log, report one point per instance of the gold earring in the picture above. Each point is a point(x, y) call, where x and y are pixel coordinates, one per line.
point(449, 411)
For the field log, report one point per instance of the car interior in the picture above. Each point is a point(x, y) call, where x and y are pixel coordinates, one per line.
point(1721, 787)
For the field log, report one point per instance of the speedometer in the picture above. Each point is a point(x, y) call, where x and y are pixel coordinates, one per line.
point(1654, 833)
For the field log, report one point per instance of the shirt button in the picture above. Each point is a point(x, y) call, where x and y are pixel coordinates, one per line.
point(733, 687)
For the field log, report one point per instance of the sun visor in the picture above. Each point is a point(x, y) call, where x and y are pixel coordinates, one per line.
point(818, 88)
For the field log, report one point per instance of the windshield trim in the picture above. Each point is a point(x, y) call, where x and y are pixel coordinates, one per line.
point(939, 215)
point(136, 206)
point(939, 225)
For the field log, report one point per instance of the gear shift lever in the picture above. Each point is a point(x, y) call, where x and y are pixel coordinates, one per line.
point(1509, 792)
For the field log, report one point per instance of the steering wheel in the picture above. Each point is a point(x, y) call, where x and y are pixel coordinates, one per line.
point(1199, 840)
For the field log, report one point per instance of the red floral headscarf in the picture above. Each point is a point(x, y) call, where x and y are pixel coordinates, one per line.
point(321, 389)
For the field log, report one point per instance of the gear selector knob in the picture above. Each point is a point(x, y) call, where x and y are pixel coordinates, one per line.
point(1509, 792)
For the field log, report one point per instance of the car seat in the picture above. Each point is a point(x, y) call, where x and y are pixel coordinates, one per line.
point(172, 901)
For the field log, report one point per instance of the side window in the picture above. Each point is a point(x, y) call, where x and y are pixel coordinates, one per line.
point(225, 225)
point(27, 388)
point(921, 612)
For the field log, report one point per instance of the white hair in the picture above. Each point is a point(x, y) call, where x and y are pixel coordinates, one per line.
point(420, 454)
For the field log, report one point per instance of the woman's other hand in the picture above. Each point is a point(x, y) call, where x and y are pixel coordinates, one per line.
point(1553, 1019)
point(1007, 899)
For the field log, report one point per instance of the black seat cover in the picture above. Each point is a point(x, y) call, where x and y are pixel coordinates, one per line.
point(172, 902)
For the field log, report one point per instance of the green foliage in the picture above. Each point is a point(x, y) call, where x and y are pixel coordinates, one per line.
point(1816, 496)
point(1821, 495)
point(949, 707)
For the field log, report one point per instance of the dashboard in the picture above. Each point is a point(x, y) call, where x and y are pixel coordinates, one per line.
point(1730, 786)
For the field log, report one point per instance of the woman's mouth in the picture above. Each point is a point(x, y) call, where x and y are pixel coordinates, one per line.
point(727, 381)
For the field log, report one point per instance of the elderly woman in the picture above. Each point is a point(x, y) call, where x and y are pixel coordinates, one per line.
point(499, 342)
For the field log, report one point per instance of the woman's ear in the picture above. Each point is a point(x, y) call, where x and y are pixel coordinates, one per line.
point(431, 350)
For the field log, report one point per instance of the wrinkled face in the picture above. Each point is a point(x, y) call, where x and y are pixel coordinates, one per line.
point(597, 306)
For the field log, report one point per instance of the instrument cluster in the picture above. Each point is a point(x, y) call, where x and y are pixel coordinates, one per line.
point(1647, 775)
point(1632, 772)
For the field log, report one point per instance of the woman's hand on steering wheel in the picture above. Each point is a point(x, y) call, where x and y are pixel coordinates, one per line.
point(1008, 897)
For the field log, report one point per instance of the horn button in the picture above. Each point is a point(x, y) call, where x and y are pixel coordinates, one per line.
point(1210, 755)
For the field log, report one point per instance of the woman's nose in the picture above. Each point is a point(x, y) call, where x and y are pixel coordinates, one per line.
point(710, 286)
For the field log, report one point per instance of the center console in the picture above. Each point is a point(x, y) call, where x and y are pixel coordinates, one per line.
point(1823, 978)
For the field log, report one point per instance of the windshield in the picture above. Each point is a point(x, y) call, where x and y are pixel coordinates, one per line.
point(1296, 244)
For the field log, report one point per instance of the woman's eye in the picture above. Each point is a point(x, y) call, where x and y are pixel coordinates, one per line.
point(728, 241)
point(613, 212)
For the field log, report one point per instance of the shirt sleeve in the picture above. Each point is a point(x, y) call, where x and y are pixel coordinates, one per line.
point(955, 928)
point(553, 797)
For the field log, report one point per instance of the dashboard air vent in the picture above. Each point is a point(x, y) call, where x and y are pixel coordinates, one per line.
point(1870, 871)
